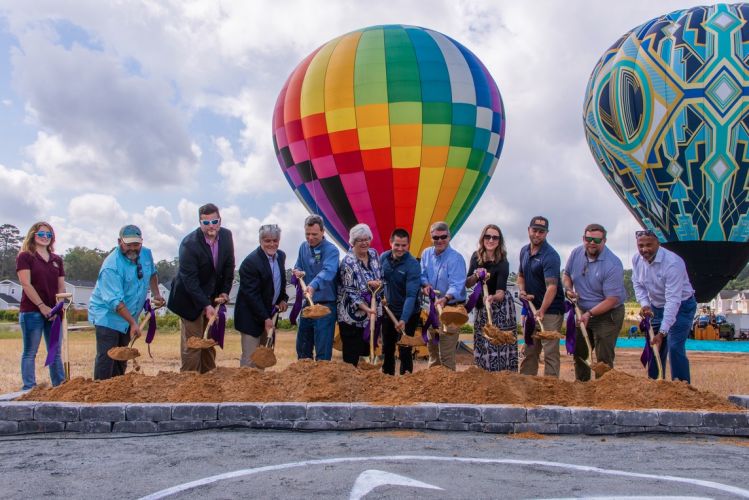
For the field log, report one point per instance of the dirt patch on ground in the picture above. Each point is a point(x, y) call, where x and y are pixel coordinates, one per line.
point(526, 435)
point(334, 381)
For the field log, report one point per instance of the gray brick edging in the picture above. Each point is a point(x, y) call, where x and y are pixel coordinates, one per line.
point(24, 417)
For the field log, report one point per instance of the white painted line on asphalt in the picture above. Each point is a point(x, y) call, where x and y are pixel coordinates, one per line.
point(428, 458)
point(372, 479)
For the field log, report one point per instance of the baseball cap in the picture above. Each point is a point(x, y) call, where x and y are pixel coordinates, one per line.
point(539, 222)
point(131, 234)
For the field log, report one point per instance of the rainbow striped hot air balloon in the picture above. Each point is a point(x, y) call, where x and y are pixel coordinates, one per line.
point(392, 126)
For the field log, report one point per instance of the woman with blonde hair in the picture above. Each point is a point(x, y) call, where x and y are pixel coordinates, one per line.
point(41, 274)
point(491, 257)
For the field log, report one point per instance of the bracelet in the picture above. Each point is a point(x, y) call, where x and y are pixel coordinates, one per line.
point(40, 303)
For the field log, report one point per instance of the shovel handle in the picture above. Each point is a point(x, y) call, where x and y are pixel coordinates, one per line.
point(657, 355)
point(271, 341)
point(534, 311)
point(306, 294)
point(486, 302)
point(579, 314)
point(392, 318)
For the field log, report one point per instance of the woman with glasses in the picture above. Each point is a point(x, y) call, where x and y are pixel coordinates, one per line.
point(491, 258)
point(40, 272)
point(358, 275)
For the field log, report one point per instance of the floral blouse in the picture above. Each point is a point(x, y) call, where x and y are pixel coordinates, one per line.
point(353, 276)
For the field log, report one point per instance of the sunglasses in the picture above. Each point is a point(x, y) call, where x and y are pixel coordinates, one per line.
point(139, 270)
point(591, 239)
point(645, 232)
point(212, 222)
point(44, 234)
point(438, 237)
point(491, 237)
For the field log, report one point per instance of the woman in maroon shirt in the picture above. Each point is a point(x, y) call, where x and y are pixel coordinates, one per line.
point(42, 276)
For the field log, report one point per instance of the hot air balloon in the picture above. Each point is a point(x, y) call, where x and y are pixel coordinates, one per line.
point(666, 117)
point(392, 126)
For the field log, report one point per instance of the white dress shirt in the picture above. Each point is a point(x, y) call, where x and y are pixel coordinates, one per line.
point(661, 283)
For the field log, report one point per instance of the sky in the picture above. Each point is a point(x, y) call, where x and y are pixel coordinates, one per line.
point(141, 111)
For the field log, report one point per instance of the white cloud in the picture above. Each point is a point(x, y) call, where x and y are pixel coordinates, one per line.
point(25, 197)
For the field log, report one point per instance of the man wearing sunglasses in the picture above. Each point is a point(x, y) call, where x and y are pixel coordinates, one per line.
point(538, 281)
point(594, 276)
point(443, 270)
point(205, 274)
point(118, 297)
point(664, 292)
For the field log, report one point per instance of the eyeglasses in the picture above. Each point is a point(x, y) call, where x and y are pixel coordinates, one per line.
point(491, 237)
point(139, 270)
point(366, 240)
point(211, 222)
point(645, 232)
point(591, 239)
point(585, 269)
point(437, 237)
point(44, 234)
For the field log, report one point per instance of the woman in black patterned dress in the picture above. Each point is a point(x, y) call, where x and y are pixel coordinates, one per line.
point(492, 257)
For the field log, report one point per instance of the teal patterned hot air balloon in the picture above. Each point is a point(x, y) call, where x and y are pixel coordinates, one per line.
point(666, 116)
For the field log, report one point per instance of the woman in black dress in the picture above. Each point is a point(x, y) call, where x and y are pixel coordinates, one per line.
point(491, 256)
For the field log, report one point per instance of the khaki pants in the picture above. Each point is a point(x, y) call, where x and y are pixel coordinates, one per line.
point(249, 344)
point(603, 331)
point(443, 353)
point(195, 360)
point(532, 353)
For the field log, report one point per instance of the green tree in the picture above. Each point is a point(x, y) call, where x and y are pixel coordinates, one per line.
point(167, 269)
point(83, 263)
point(10, 244)
point(628, 286)
point(741, 282)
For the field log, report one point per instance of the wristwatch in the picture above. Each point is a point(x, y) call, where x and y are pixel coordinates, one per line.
point(665, 334)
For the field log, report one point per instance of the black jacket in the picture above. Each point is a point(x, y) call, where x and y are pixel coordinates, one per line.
point(197, 282)
point(255, 297)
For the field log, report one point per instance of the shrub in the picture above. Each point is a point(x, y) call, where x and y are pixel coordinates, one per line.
point(285, 324)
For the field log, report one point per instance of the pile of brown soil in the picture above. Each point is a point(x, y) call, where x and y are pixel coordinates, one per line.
point(315, 311)
point(123, 353)
point(263, 357)
point(200, 343)
point(325, 381)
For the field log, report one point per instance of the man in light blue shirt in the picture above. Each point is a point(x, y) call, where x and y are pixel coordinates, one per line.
point(595, 277)
point(118, 298)
point(664, 292)
point(443, 270)
point(318, 264)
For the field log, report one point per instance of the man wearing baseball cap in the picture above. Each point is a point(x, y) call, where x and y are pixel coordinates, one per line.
point(539, 283)
point(118, 298)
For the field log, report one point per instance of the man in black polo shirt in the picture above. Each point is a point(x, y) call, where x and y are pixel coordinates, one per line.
point(539, 282)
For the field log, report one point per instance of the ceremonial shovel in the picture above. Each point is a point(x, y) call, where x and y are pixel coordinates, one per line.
point(492, 333)
point(405, 340)
point(372, 324)
point(65, 346)
point(598, 367)
point(312, 311)
point(543, 334)
point(128, 353)
point(264, 357)
point(656, 354)
point(204, 342)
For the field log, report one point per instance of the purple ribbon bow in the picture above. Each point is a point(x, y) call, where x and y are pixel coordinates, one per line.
point(433, 321)
point(219, 326)
point(151, 321)
point(571, 327)
point(55, 333)
point(647, 352)
point(529, 325)
point(477, 292)
point(298, 300)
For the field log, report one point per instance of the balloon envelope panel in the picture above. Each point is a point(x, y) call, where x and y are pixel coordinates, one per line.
point(392, 126)
point(666, 117)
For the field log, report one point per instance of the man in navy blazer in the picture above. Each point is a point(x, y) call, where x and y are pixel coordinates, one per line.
point(206, 273)
point(262, 285)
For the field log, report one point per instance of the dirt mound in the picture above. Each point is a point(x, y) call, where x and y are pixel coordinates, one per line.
point(200, 343)
point(325, 381)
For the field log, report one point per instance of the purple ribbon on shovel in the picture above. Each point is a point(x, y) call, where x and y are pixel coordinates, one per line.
point(647, 352)
point(571, 327)
point(529, 325)
point(151, 321)
point(219, 326)
point(298, 300)
point(55, 332)
point(433, 321)
point(477, 292)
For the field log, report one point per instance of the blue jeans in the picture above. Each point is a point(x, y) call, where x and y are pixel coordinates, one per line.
point(317, 334)
point(675, 344)
point(33, 326)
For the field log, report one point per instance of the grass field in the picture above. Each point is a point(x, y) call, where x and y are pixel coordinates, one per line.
point(720, 373)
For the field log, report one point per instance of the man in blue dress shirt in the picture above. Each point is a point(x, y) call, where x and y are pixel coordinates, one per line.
point(443, 270)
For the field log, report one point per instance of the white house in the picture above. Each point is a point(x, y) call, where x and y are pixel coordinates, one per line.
point(730, 302)
point(81, 291)
point(10, 294)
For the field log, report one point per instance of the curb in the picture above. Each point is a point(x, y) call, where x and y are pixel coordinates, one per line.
point(23, 417)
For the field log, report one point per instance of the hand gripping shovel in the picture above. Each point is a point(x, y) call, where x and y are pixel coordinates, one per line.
point(405, 339)
point(264, 357)
point(492, 333)
point(372, 365)
point(544, 335)
point(204, 342)
point(129, 352)
point(656, 354)
point(597, 367)
point(64, 329)
point(312, 311)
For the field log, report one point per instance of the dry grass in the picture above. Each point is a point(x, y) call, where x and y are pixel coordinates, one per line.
point(721, 373)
